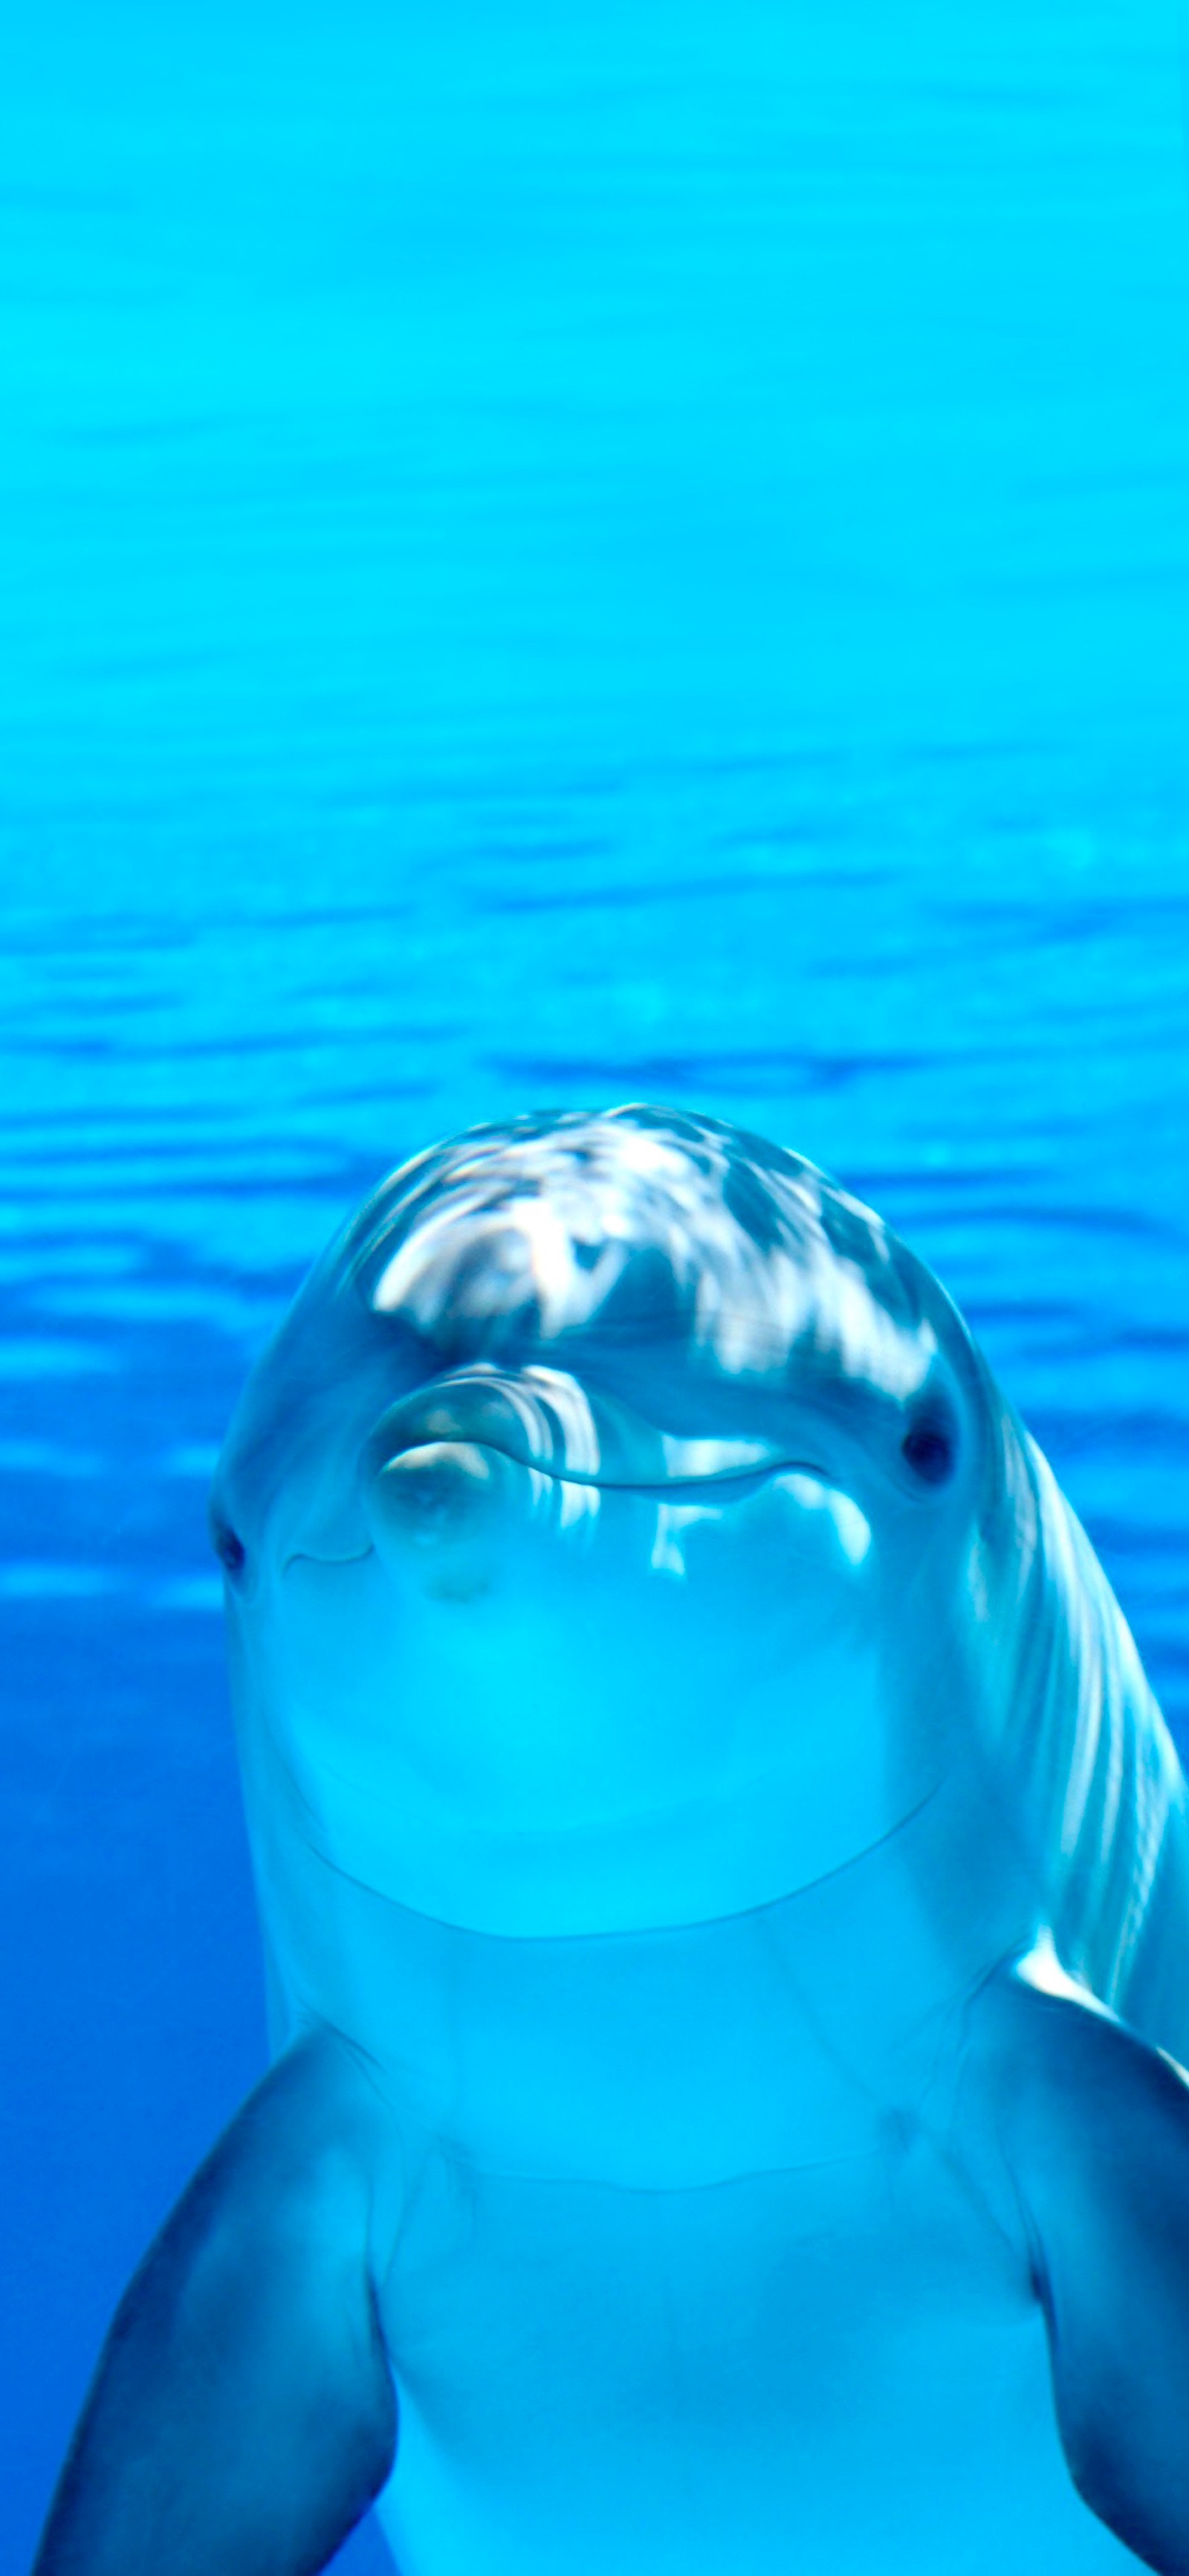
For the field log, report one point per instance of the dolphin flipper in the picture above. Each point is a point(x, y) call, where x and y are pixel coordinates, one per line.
point(242, 2416)
point(1094, 2126)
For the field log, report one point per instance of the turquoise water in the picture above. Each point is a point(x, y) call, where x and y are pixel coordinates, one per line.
point(542, 564)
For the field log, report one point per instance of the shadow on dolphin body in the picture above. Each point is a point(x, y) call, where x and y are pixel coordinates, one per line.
point(726, 1903)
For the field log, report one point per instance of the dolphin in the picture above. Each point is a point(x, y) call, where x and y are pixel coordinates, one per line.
point(725, 1894)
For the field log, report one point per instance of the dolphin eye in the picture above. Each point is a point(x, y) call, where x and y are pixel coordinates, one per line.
point(928, 1447)
point(228, 1547)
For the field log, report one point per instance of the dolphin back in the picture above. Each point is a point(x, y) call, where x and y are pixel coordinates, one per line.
point(1087, 1753)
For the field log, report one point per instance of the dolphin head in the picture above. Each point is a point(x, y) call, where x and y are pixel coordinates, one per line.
point(590, 1527)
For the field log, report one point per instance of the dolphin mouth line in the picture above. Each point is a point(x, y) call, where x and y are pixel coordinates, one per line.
point(660, 1489)
point(729, 1480)
point(550, 1422)
point(308, 1556)
point(732, 1484)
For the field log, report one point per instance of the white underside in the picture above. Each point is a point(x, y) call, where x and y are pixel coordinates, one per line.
point(837, 2371)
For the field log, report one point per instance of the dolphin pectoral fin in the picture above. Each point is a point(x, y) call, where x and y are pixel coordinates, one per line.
point(242, 2416)
point(1095, 2128)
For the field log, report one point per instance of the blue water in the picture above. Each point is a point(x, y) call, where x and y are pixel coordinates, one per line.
point(548, 557)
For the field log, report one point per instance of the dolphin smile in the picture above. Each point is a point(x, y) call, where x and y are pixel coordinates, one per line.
point(552, 1422)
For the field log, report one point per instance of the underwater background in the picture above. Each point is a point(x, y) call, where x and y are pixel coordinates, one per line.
point(549, 556)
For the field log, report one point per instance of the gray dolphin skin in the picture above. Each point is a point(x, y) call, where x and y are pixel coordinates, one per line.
point(725, 1892)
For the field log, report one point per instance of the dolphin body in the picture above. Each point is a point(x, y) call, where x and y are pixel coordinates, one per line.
point(724, 1886)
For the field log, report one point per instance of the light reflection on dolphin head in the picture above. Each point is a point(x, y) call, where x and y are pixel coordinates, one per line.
point(594, 1527)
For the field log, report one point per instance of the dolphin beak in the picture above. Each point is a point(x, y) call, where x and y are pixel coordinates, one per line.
point(452, 1469)
point(548, 1421)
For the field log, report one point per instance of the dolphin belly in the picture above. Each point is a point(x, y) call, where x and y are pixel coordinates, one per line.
point(838, 2368)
